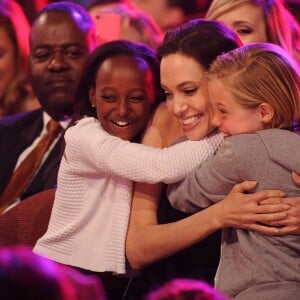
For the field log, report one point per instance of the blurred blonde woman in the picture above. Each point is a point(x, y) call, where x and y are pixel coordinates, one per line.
point(259, 21)
point(15, 92)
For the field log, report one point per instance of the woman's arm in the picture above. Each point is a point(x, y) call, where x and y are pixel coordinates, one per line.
point(148, 242)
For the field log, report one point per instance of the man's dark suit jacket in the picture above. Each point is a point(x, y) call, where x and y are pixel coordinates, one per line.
point(17, 132)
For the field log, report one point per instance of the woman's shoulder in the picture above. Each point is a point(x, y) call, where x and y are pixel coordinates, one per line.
point(164, 127)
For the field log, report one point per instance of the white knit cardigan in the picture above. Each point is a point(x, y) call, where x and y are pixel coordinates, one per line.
point(89, 219)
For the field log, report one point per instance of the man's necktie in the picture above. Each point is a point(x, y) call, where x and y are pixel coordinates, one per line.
point(27, 168)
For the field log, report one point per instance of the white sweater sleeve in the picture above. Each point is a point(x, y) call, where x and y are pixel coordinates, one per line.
point(93, 150)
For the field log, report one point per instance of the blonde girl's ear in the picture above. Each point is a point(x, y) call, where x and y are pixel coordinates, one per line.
point(92, 96)
point(266, 112)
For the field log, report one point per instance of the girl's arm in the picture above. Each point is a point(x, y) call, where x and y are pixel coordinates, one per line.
point(94, 150)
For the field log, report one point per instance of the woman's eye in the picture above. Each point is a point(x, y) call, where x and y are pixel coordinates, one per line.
point(244, 31)
point(190, 91)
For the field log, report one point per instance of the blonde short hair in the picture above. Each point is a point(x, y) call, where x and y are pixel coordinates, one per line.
point(262, 72)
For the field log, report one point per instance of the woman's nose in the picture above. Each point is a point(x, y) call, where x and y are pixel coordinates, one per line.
point(179, 106)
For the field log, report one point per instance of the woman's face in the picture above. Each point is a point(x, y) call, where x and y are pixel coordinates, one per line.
point(123, 95)
point(185, 85)
point(7, 61)
point(248, 21)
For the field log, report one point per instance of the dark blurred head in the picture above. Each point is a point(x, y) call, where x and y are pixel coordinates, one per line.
point(28, 276)
point(24, 275)
point(185, 289)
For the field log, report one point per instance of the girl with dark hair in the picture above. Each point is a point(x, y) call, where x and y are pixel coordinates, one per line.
point(118, 88)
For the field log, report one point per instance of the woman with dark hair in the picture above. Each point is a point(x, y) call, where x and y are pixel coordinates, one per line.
point(185, 57)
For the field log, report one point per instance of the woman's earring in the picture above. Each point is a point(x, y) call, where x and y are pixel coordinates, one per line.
point(93, 105)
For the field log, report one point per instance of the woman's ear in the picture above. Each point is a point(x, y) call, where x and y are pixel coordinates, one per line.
point(92, 96)
point(266, 112)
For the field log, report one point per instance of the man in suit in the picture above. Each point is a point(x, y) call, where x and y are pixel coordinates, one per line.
point(61, 38)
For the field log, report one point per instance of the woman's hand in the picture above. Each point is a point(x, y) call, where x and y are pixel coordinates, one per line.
point(291, 224)
point(257, 211)
point(296, 178)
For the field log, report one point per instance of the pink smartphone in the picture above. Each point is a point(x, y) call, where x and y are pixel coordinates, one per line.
point(108, 26)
